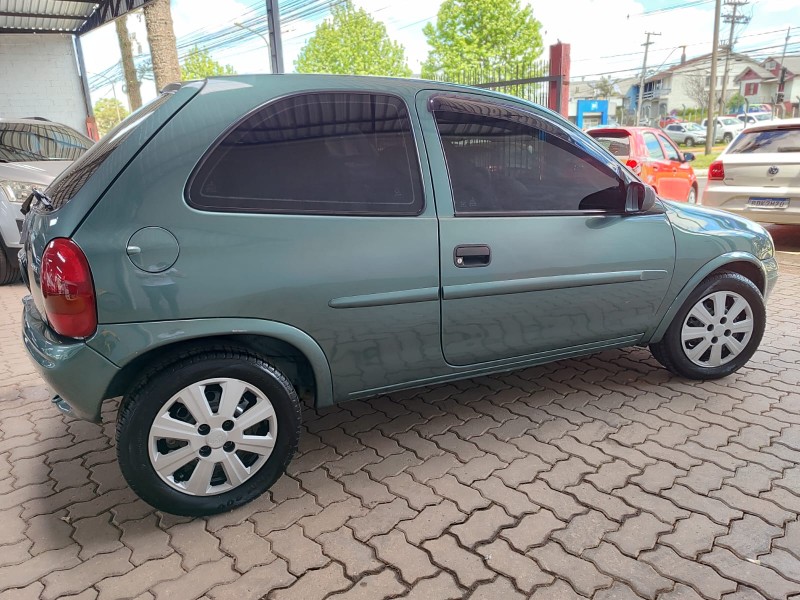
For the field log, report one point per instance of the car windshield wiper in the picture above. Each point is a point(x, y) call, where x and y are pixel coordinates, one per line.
point(789, 149)
point(40, 197)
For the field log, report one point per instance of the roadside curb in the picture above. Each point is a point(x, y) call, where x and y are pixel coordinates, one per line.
point(701, 172)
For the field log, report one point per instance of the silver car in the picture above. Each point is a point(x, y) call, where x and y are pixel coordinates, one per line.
point(686, 133)
point(758, 174)
point(32, 153)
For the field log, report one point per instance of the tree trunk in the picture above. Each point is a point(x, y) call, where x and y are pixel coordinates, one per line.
point(132, 82)
point(161, 38)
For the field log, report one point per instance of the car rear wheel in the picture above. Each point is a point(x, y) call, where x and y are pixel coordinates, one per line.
point(208, 433)
point(689, 141)
point(716, 331)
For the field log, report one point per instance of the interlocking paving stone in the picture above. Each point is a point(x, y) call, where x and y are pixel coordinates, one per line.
point(547, 482)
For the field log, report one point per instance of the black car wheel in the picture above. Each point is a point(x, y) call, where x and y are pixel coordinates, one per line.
point(716, 331)
point(9, 270)
point(207, 433)
point(689, 141)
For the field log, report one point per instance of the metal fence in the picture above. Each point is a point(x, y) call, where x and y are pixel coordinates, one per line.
point(531, 82)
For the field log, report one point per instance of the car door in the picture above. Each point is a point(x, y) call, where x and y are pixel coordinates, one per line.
point(536, 253)
point(658, 165)
point(676, 177)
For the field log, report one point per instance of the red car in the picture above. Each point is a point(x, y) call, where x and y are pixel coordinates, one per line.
point(651, 155)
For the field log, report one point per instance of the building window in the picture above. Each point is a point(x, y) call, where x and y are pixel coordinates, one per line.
point(750, 89)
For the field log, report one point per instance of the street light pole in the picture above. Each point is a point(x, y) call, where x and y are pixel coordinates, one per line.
point(712, 87)
point(251, 30)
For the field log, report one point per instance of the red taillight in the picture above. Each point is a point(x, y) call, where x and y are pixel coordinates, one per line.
point(634, 165)
point(716, 171)
point(68, 291)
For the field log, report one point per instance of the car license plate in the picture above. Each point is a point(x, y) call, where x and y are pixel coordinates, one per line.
point(768, 203)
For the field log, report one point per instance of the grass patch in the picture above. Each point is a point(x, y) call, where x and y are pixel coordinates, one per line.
point(702, 161)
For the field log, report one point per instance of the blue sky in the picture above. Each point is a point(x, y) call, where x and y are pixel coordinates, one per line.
point(605, 35)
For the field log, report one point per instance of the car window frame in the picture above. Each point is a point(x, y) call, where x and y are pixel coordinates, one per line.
point(593, 148)
point(668, 143)
point(647, 148)
point(415, 135)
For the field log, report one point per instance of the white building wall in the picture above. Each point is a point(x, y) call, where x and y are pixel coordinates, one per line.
point(39, 78)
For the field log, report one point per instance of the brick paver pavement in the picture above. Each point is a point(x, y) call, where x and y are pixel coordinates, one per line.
point(603, 478)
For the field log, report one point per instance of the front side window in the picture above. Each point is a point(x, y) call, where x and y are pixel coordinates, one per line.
point(510, 164)
point(672, 152)
point(336, 153)
point(653, 147)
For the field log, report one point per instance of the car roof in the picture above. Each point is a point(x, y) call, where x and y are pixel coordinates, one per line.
point(774, 124)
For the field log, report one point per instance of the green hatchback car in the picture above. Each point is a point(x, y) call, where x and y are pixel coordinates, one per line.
point(243, 242)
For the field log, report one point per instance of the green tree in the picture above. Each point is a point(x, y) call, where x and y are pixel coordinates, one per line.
point(352, 42)
point(605, 88)
point(108, 112)
point(481, 35)
point(735, 102)
point(198, 64)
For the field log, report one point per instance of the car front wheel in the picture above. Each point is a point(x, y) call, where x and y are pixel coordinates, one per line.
point(208, 433)
point(727, 138)
point(716, 331)
point(9, 272)
point(692, 197)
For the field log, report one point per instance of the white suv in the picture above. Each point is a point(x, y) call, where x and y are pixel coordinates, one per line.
point(725, 129)
point(32, 153)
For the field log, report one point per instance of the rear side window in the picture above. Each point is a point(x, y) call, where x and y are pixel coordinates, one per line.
point(773, 140)
point(21, 142)
point(65, 186)
point(653, 147)
point(335, 153)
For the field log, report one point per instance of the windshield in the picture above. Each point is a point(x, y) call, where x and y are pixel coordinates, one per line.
point(763, 117)
point(27, 142)
point(772, 140)
point(730, 121)
point(618, 145)
point(694, 127)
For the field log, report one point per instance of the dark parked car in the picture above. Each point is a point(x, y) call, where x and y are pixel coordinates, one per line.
point(244, 242)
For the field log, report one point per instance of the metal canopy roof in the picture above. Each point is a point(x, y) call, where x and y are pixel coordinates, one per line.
point(61, 16)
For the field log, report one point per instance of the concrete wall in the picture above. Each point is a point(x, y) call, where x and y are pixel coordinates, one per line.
point(39, 78)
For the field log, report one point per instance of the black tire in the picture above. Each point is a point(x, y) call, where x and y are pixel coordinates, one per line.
point(669, 351)
point(689, 141)
point(9, 272)
point(142, 405)
point(727, 138)
point(692, 196)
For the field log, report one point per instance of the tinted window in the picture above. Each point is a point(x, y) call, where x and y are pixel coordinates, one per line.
point(325, 153)
point(508, 166)
point(653, 147)
point(672, 153)
point(773, 140)
point(21, 142)
point(65, 186)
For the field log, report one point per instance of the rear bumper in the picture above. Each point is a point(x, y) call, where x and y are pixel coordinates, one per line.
point(734, 199)
point(78, 374)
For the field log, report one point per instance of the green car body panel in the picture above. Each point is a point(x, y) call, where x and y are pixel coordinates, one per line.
point(372, 304)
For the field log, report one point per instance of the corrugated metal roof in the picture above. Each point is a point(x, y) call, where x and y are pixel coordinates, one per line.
point(45, 15)
point(61, 16)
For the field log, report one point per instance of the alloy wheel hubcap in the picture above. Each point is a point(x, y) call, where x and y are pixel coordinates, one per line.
point(212, 436)
point(717, 329)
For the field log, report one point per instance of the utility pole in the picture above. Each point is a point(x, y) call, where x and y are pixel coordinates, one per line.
point(712, 86)
point(644, 73)
point(780, 95)
point(274, 27)
point(734, 20)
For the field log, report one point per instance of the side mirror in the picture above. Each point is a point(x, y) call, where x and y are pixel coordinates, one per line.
point(640, 198)
point(688, 156)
